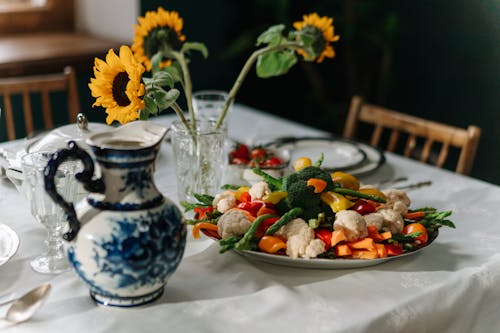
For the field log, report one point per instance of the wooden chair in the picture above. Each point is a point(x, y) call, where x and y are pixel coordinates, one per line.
point(416, 130)
point(43, 85)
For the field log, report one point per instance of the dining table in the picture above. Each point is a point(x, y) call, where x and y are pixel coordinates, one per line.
point(452, 285)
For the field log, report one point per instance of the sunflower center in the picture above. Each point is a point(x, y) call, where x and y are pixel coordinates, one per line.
point(120, 89)
point(157, 38)
point(319, 43)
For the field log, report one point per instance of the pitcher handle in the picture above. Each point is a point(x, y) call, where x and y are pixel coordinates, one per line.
point(85, 177)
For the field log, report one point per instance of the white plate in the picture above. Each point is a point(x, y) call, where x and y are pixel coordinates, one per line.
point(318, 263)
point(339, 154)
point(9, 243)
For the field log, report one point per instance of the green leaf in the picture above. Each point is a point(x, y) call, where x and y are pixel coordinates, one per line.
point(151, 108)
point(275, 63)
point(163, 78)
point(173, 71)
point(272, 36)
point(200, 47)
point(164, 99)
point(155, 61)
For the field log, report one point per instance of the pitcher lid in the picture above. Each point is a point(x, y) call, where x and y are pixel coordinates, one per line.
point(138, 134)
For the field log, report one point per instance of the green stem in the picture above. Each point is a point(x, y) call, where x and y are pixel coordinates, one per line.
point(244, 72)
point(188, 86)
point(177, 109)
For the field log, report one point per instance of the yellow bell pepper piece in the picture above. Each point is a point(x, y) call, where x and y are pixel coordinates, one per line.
point(337, 202)
point(345, 180)
point(274, 197)
point(301, 163)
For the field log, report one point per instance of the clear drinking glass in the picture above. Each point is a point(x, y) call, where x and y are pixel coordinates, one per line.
point(208, 104)
point(46, 211)
point(200, 160)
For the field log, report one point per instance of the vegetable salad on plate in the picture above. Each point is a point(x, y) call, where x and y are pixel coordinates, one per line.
point(311, 213)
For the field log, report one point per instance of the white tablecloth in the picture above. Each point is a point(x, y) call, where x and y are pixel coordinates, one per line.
point(451, 286)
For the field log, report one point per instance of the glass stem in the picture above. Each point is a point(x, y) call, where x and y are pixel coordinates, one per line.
point(54, 242)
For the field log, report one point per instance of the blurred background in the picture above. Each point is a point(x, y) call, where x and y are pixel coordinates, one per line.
point(432, 58)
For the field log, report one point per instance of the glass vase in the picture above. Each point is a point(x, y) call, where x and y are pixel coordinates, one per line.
point(200, 158)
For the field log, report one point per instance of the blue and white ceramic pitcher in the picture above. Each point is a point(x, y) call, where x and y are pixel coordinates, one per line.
point(126, 238)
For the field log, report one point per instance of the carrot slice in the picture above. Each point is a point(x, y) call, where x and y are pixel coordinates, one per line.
point(414, 215)
point(203, 225)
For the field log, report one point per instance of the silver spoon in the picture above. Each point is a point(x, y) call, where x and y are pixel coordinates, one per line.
point(26, 306)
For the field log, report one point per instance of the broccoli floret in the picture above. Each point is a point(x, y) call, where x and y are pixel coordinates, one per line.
point(303, 196)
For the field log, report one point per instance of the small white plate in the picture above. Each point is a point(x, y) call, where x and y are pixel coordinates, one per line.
point(353, 157)
point(337, 154)
point(9, 243)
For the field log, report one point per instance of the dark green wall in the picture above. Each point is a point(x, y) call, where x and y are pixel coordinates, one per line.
point(433, 58)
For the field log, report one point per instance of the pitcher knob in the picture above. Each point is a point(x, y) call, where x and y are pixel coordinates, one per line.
point(81, 122)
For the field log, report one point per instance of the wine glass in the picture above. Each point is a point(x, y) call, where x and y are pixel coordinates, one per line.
point(46, 211)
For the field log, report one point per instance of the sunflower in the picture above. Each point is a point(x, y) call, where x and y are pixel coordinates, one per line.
point(157, 30)
point(322, 28)
point(117, 85)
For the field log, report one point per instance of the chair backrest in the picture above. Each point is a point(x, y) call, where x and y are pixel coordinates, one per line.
point(43, 85)
point(433, 135)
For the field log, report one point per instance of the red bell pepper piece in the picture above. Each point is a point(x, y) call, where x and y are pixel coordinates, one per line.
point(265, 225)
point(325, 235)
point(245, 197)
point(200, 212)
point(252, 207)
point(393, 249)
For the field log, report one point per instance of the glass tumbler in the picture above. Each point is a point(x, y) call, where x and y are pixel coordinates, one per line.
point(208, 104)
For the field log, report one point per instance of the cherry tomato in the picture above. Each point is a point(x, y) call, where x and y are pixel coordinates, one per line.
point(417, 227)
point(239, 160)
point(240, 150)
point(258, 154)
point(363, 207)
point(272, 162)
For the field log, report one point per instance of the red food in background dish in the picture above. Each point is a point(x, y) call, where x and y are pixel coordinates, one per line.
point(241, 154)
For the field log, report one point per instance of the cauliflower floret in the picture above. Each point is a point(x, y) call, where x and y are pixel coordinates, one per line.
point(400, 207)
point(374, 219)
point(300, 239)
point(315, 248)
point(352, 223)
point(234, 222)
point(397, 200)
point(224, 201)
point(393, 221)
point(259, 190)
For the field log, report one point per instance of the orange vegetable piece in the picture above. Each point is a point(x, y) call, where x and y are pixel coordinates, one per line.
point(205, 226)
point(271, 244)
point(386, 235)
point(376, 236)
point(342, 250)
point(363, 244)
point(365, 254)
point(318, 184)
point(337, 237)
point(414, 215)
point(381, 250)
